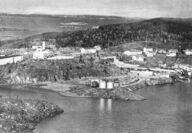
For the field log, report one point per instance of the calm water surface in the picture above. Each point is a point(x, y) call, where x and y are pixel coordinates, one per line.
point(167, 110)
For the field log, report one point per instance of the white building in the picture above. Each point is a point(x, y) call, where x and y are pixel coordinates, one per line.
point(163, 75)
point(163, 65)
point(95, 27)
point(185, 67)
point(188, 52)
point(132, 52)
point(36, 47)
point(40, 53)
point(147, 49)
point(162, 51)
point(88, 51)
point(10, 59)
point(61, 57)
point(97, 47)
point(173, 51)
point(103, 84)
point(43, 46)
point(139, 58)
point(171, 54)
point(149, 52)
point(143, 73)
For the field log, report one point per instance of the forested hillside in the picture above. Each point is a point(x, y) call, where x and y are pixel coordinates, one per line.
point(168, 32)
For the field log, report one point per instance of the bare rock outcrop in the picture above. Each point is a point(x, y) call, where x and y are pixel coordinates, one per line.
point(21, 116)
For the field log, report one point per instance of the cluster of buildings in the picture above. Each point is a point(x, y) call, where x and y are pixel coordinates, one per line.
point(37, 51)
point(139, 55)
point(104, 84)
point(149, 52)
point(186, 67)
point(41, 50)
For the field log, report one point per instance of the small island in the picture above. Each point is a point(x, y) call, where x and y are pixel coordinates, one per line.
point(21, 116)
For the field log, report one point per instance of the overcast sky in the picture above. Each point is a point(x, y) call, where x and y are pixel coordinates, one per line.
point(127, 8)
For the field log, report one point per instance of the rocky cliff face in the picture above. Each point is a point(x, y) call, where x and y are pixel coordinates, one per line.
point(35, 71)
point(21, 116)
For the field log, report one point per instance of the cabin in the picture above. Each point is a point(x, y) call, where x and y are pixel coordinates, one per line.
point(88, 51)
point(40, 54)
point(139, 58)
point(61, 57)
point(95, 27)
point(161, 51)
point(146, 73)
point(188, 52)
point(149, 52)
point(172, 53)
point(97, 47)
point(41, 51)
point(43, 46)
point(36, 47)
point(164, 75)
point(10, 59)
point(132, 52)
point(185, 67)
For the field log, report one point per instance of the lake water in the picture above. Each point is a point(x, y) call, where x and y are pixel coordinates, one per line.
point(168, 109)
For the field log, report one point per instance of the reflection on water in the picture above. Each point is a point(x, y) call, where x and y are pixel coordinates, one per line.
point(109, 104)
point(105, 104)
point(101, 104)
point(168, 109)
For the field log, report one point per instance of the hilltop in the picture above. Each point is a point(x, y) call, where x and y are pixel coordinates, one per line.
point(166, 32)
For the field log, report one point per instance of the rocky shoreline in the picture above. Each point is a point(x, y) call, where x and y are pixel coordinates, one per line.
point(118, 93)
point(78, 88)
point(122, 93)
point(151, 82)
point(21, 116)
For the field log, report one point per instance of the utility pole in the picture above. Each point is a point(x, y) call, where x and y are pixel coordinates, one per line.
point(108, 43)
point(146, 40)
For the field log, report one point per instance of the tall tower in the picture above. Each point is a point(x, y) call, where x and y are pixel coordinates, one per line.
point(43, 45)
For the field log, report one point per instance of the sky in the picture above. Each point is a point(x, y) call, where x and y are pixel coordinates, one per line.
point(125, 8)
